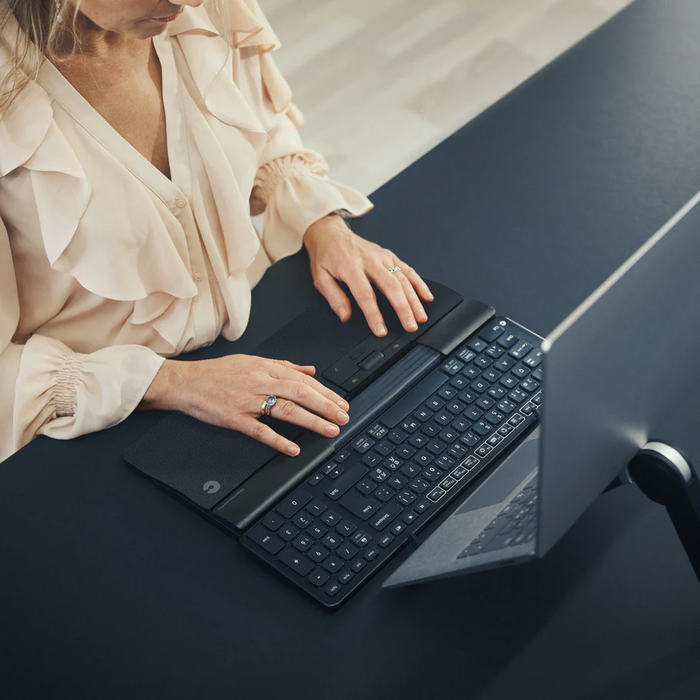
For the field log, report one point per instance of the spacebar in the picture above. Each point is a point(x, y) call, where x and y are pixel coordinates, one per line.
point(413, 398)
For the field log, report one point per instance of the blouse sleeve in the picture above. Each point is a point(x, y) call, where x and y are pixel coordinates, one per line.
point(292, 185)
point(45, 388)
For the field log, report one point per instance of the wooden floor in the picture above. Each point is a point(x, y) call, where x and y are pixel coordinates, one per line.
point(383, 81)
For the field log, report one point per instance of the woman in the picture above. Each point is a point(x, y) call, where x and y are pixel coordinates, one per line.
point(137, 137)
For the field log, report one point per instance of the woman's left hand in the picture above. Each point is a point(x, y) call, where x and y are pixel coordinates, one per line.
point(339, 254)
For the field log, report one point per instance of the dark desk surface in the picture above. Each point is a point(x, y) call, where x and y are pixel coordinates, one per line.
point(109, 588)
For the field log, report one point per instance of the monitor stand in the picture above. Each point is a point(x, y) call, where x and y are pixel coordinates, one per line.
point(666, 476)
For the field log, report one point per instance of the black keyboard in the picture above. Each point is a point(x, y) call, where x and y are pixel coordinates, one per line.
point(382, 486)
point(516, 524)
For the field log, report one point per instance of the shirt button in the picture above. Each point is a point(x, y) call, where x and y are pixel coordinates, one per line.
point(197, 276)
point(180, 203)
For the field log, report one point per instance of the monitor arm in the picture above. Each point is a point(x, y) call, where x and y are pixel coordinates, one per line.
point(666, 476)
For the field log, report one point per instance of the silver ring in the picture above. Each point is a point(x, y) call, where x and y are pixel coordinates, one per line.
point(394, 269)
point(267, 405)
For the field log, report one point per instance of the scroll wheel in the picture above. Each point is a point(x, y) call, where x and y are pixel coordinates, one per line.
point(372, 360)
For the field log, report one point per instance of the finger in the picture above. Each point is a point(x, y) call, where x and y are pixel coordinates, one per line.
point(396, 294)
point(265, 434)
point(291, 412)
point(309, 397)
point(288, 374)
point(413, 300)
point(306, 369)
point(416, 281)
point(362, 290)
point(337, 299)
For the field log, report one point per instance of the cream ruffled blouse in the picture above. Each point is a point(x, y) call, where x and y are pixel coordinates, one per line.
point(106, 265)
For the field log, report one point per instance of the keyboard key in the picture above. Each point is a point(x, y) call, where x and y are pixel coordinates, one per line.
point(483, 361)
point(491, 375)
point(469, 439)
point(397, 481)
point(346, 551)
point(371, 458)
point(384, 448)
point(491, 332)
point(452, 366)
point(506, 406)
point(370, 553)
point(497, 392)
point(410, 469)
point(295, 561)
point(317, 530)
point(447, 483)
point(534, 359)
point(459, 382)
point(538, 374)
point(293, 503)
point(437, 447)
point(494, 351)
point(423, 458)
point(516, 420)
point(528, 408)
point(366, 486)
point(330, 517)
point(397, 436)
point(379, 475)
point(460, 425)
point(457, 451)
point(520, 350)
point(378, 431)
point(386, 540)
point(384, 494)
point(273, 521)
point(444, 462)
point(358, 565)
point(473, 413)
point(331, 540)
point(443, 418)
point(520, 371)
point(317, 553)
point(288, 533)
point(345, 528)
point(410, 426)
point(346, 482)
point(316, 507)
point(447, 392)
point(359, 505)
point(406, 497)
point(421, 507)
point(517, 396)
point(361, 538)
point(485, 402)
point(508, 340)
point(529, 385)
point(434, 404)
point(505, 429)
point(392, 463)
point(467, 396)
point(266, 539)
point(494, 417)
point(362, 444)
point(318, 577)
point(484, 450)
point(431, 429)
point(315, 479)
point(423, 415)
point(482, 428)
point(479, 386)
point(466, 354)
point(383, 519)
point(342, 456)
point(346, 577)
point(504, 364)
point(436, 494)
point(494, 440)
point(509, 381)
point(459, 472)
point(476, 345)
point(332, 564)
point(432, 473)
point(418, 440)
point(537, 400)
point(398, 528)
point(328, 468)
point(472, 372)
point(303, 542)
point(409, 517)
point(405, 452)
point(336, 472)
point(419, 485)
point(302, 519)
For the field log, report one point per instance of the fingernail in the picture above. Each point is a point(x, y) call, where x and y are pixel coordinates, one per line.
point(343, 417)
point(293, 450)
point(422, 316)
point(411, 323)
point(430, 296)
point(381, 329)
point(332, 429)
point(344, 405)
point(342, 313)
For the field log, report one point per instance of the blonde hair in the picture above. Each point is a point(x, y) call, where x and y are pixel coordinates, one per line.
point(45, 30)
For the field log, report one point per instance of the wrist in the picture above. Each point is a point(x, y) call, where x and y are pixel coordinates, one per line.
point(165, 391)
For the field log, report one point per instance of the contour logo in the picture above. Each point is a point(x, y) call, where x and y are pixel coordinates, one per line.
point(212, 486)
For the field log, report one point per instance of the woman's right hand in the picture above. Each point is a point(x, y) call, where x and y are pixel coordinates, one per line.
point(229, 391)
